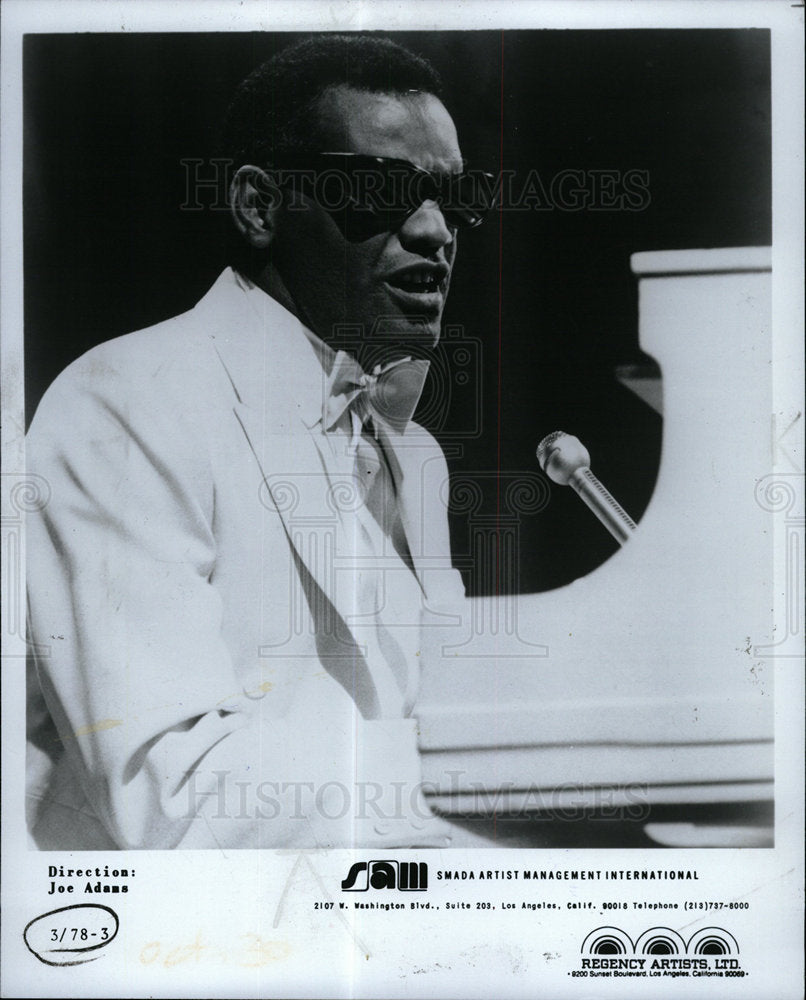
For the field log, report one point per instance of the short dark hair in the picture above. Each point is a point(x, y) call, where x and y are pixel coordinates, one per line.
point(272, 114)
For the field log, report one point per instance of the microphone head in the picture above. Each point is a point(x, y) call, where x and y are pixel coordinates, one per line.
point(560, 455)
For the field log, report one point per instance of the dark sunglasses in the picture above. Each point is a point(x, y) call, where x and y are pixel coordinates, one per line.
point(373, 194)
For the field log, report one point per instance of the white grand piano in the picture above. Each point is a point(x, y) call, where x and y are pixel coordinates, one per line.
point(640, 693)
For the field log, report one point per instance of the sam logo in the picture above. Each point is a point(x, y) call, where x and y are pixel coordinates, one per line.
point(405, 876)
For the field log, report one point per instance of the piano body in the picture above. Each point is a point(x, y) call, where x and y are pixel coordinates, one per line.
point(638, 693)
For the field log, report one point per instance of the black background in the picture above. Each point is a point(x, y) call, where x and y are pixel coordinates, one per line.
point(545, 298)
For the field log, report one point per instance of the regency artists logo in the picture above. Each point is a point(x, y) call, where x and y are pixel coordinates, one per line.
point(610, 952)
point(405, 876)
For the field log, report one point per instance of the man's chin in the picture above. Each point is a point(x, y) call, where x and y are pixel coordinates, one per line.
point(413, 318)
point(421, 341)
point(396, 337)
point(419, 331)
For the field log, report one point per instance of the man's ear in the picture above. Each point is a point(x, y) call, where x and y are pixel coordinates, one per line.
point(254, 201)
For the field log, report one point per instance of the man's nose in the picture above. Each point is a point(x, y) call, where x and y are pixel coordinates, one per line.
point(426, 231)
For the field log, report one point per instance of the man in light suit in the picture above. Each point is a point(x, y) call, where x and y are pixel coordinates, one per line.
point(246, 539)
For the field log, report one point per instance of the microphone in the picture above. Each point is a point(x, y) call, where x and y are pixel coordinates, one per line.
point(566, 461)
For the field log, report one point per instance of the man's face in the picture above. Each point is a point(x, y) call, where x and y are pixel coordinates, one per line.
point(334, 281)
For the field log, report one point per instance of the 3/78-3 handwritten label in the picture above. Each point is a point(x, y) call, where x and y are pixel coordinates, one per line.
point(71, 935)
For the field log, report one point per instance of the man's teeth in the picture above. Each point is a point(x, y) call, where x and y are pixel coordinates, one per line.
point(417, 283)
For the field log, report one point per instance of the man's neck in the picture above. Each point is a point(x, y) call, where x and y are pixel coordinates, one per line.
point(272, 284)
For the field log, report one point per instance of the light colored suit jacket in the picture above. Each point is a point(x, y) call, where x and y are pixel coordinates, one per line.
point(202, 684)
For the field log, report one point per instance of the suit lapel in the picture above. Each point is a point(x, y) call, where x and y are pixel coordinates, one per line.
point(277, 382)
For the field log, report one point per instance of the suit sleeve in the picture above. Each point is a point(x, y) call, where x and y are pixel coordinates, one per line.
point(138, 680)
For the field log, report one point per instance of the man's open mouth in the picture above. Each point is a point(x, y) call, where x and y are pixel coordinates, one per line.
point(420, 279)
point(416, 283)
